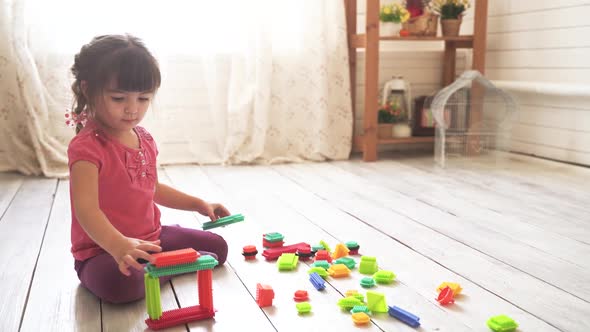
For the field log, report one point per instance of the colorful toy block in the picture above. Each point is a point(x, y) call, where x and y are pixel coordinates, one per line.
point(340, 251)
point(349, 302)
point(319, 270)
point(264, 295)
point(301, 295)
point(368, 265)
point(304, 253)
point(376, 302)
point(360, 318)
point(445, 296)
point(384, 277)
point(502, 323)
point(338, 271)
point(454, 286)
point(404, 316)
point(287, 262)
point(203, 265)
point(272, 240)
point(367, 282)
point(315, 248)
point(323, 264)
point(274, 253)
point(317, 281)
point(175, 257)
point(303, 307)
point(349, 262)
point(355, 293)
point(249, 252)
point(360, 308)
point(326, 246)
point(221, 222)
point(323, 255)
point(353, 248)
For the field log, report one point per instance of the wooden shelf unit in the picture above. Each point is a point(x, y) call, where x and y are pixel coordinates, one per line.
point(370, 40)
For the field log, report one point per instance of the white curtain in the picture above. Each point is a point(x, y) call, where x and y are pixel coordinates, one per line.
point(260, 81)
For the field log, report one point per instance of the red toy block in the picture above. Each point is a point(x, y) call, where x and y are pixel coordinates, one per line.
point(304, 253)
point(323, 255)
point(249, 252)
point(268, 244)
point(274, 253)
point(205, 287)
point(175, 257)
point(264, 295)
point(301, 295)
point(446, 296)
point(180, 316)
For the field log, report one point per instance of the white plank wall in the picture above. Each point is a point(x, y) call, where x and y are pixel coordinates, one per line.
point(544, 41)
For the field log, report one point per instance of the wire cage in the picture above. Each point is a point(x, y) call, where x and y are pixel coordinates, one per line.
point(473, 119)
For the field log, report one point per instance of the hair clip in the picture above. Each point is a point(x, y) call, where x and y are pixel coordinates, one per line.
point(73, 119)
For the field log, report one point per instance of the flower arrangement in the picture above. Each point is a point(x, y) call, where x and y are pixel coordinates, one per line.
point(395, 13)
point(391, 112)
point(449, 9)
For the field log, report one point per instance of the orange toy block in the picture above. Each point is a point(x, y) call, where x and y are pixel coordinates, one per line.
point(175, 257)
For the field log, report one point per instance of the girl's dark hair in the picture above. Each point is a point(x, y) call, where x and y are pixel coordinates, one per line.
point(123, 58)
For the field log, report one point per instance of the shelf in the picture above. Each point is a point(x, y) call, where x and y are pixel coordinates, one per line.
point(360, 40)
point(358, 141)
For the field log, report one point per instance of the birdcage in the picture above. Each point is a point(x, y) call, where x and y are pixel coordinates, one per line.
point(473, 120)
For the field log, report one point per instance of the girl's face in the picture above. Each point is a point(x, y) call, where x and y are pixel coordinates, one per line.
point(122, 110)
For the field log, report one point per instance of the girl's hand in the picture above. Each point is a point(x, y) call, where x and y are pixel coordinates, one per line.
point(215, 211)
point(130, 250)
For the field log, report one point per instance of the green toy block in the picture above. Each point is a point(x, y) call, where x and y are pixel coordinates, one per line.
point(359, 296)
point(323, 264)
point(376, 302)
point(223, 221)
point(317, 247)
point(351, 244)
point(367, 282)
point(205, 262)
point(325, 245)
point(152, 296)
point(349, 302)
point(360, 308)
point(502, 323)
point(287, 262)
point(303, 307)
point(384, 277)
point(319, 270)
point(368, 265)
point(273, 237)
point(349, 262)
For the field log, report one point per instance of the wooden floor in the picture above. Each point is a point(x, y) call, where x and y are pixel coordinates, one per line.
point(517, 239)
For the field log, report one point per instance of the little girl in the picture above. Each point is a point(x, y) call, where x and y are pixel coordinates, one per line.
point(114, 184)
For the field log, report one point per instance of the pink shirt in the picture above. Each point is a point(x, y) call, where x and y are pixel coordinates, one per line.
point(126, 186)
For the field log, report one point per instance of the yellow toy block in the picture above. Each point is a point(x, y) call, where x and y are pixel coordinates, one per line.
point(456, 288)
point(340, 251)
point(338, 271)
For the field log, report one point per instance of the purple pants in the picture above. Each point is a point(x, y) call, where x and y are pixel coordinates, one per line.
point(101, 276)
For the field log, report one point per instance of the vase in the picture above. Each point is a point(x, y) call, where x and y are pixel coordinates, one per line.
point(389, 29)
point(450, 27)
point(384, 130)
point(401, 130)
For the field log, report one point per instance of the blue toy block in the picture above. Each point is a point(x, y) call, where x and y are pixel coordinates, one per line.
point(317, 281)
point(404, 316)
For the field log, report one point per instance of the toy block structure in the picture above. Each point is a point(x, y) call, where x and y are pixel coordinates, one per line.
point(272, 240)
point(264, 295)
point(404, 316)
point(274, 253)
point(301, 295)
point(172, 263)
point(360, 318)
point(326, 246)
point(317, 281)
point(319, 270)
point(368, 265)
point(349, 302)
point(305, 253)
point(340, 251)
point(303, 307)
point(223, 221)
point(349, 262)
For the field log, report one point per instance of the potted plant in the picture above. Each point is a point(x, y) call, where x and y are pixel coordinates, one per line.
point(451, 12)
point(391, 17)
point(422, 21)
point(392, 120)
